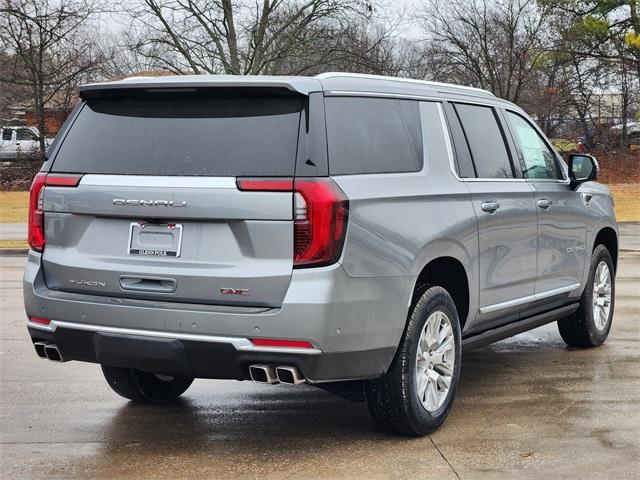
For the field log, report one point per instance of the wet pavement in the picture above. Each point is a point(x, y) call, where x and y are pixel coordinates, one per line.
point(528, 407)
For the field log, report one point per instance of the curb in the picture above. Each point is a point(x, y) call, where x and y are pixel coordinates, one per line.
point(12, 252)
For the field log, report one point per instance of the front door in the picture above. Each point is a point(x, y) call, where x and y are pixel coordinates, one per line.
point(561, 226)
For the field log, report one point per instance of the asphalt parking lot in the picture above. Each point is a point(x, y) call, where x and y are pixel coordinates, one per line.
point(528, 407)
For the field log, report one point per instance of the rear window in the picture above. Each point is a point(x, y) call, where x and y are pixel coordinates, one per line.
point(183, 135)
point(373, 135)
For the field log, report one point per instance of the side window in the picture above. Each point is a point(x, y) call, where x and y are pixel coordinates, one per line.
point(539, 160)
point(6, 134)
point(485, 139)
point(373, 135)
point(25, 134)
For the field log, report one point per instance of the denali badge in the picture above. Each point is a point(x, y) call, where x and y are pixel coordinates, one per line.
point(87, 283)
point(148, 203)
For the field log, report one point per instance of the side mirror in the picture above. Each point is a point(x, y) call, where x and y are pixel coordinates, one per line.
point(582, 168)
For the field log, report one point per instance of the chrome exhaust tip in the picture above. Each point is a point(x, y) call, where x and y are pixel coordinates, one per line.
point(39, 346)
point(290, 375)
point(263, 374)
point(53, 353)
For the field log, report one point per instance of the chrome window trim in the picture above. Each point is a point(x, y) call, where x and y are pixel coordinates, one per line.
point(529, 298)
point(239, 343)
point(452, 161)
point(164, 181)
point(452, 167)
point(494, 101)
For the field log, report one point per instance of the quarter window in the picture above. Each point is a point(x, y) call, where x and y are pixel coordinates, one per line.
point(373, 135)
point(6, 134)
point(485, 139)
point(539, 160)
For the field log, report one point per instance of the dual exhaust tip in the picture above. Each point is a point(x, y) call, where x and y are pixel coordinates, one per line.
point(48, 350)
point(270, 374)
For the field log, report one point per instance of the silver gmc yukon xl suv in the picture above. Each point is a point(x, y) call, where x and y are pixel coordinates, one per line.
point(353, 232)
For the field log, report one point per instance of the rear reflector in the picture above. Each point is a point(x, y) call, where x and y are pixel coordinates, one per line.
point(272, 342)
point(35, 231)
point(41, 321)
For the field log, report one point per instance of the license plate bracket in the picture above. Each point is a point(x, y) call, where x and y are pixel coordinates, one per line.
point(155, 239)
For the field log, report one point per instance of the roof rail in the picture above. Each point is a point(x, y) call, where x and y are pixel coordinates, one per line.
point(364, 76)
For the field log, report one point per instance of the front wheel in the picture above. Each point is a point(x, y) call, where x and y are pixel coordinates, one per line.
point(589, 326)
point(145, 387)
point(416, 394)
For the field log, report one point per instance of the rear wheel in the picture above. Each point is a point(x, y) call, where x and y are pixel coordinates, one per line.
point(416, 394)
point(589, 326)
point(145, 387)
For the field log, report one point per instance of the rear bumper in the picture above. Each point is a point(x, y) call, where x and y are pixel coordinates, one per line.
point(201, 358)
point(354, 325)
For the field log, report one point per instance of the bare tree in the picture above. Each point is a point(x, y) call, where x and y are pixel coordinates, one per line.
point(47, 49)
point(222, 36)
point(492, 45)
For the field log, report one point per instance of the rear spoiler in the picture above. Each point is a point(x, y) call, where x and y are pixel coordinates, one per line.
point(183, 83)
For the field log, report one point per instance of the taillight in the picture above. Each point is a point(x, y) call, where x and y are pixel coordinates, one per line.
point(321, 212)
point(320, 216)
point(35, 232)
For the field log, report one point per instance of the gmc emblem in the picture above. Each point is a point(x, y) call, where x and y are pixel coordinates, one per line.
point(234, 291)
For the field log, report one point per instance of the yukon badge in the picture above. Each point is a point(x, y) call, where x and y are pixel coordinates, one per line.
point(148, 203)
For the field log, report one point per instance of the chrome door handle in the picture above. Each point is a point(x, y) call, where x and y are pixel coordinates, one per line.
point(490, 207)
point(544, 203)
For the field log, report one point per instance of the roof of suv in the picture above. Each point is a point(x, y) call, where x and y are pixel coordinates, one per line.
point(334, 81)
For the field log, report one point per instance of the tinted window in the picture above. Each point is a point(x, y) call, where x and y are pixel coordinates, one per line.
point(25, 134)
point(183, 135)
point(6, 134)
point(373, 135)
point(539, 160)
point(488, 150)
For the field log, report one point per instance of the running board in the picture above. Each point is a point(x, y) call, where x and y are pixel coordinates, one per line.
point(514, 328)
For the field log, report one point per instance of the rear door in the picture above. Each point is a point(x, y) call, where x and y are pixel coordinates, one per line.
point(157, 213)
point(561, 220)
point(505, 212)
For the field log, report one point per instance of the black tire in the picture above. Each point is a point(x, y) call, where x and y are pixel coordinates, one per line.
point(145, 387)
point(393, 399)
point(579, 329)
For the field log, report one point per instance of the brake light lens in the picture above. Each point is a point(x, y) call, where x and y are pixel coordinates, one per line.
point(274, 342)
point(35, 231)
point(320, 216)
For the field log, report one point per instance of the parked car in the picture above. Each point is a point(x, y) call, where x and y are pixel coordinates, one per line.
point(346, 231)
point(633, 132)
point(20, 143)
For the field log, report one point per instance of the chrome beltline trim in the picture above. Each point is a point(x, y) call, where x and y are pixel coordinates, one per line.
point(529, 298)
point(106, 180)
point(239, 343)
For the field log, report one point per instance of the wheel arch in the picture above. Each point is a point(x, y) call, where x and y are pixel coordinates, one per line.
point(608, 237)
point(449, 273)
